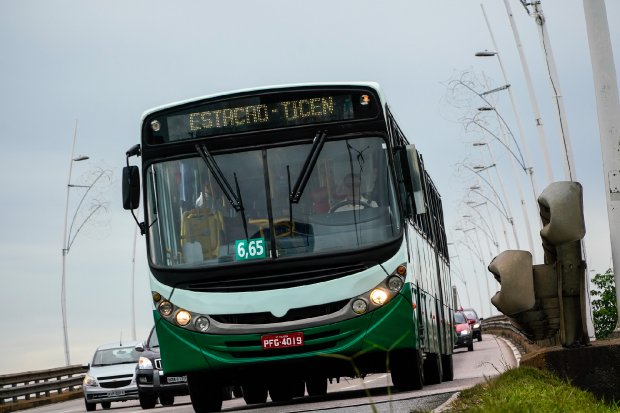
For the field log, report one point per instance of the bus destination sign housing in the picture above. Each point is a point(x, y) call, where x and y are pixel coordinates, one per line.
point(259, 112)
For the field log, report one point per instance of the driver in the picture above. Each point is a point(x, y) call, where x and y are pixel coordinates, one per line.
point(353, 198)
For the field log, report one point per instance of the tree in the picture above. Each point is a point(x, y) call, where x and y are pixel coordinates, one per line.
point(604, 308)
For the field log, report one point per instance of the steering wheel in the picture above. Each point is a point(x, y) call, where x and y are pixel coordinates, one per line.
point(340, 204)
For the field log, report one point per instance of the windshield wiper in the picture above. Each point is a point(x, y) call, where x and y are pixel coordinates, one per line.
point(306, 170)
point(235, 199)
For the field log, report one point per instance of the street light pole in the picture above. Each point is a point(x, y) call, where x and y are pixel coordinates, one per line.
point(65, 250)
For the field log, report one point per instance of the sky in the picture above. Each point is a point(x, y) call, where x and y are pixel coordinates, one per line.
point(103, 63)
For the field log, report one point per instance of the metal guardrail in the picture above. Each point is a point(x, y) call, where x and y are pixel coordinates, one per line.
point(504, 325)
point(41, 384)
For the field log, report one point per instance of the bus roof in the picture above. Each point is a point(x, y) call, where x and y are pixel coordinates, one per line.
point(373, 85)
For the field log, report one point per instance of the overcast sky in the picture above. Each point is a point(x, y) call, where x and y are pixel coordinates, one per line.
point(103, 63)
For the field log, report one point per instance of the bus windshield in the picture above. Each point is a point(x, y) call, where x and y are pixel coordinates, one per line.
point(349, 202)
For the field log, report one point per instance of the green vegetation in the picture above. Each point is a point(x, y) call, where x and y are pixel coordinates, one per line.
point(526, 389)
point(604, 311)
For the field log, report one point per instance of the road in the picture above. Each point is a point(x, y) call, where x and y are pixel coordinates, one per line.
point(490, 357)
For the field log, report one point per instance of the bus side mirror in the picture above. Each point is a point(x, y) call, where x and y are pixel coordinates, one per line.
point(131, 187)
point(414, 175)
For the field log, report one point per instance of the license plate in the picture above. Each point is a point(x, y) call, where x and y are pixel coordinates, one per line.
point(282, 340)
point(115, 393)
point(175, 379)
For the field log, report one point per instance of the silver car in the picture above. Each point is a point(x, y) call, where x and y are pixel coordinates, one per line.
point(111, 375)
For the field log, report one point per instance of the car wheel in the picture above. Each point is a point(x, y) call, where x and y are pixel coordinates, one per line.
point(106, 405)
point(407, 369)
point(90, 407)
point(166, 399)
point(470, 346)
point(432, 369)
point(205, 393)
point(281, 391)
point(447, 364)
point(254, 393)
point(317, 386)
point(147, 401)
point(480, 337)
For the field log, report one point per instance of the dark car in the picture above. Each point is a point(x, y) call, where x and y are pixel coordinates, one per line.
point(464, 334)
point(475, 322)
point(152, 382)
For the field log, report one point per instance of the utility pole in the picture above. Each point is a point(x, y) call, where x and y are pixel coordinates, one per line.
point(608, 106)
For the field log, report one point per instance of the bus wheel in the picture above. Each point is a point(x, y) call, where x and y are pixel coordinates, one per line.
point(407, 369)
point(432, 369)
point(317, 386)
point(448, 367)
point(205, 394)
point(281, 391)
point(254, 393)
point(299, 388)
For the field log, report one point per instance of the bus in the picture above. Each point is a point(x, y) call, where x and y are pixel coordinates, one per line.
point(293, 236)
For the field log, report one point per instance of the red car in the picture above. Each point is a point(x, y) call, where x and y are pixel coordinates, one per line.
point(475, 321)
point(464, 332)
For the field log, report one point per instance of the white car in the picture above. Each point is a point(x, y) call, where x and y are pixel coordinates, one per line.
point(111, 375)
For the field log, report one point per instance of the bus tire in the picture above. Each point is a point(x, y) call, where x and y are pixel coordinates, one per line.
point(281, 391)
point(205, 393)
point(316, 386)
point(433, 372)
point(447, 365)
point(254, 393)
point(406, 369)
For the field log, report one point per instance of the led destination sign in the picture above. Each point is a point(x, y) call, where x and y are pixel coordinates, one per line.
point(262, 112)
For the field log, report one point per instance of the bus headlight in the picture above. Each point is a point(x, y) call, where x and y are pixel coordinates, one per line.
point(395, 283)
point(202, 323)
point(165, 308)
point(359, 306)
point(382, 293)
point(183, 318)
point(379, 296)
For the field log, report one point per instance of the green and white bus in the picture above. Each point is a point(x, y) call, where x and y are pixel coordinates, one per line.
point(293, 237)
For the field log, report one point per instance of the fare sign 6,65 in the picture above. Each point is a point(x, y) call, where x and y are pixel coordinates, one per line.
point(271, 341)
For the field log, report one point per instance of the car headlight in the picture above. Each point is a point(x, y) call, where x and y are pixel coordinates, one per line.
point(476, 325)
point(144, 363)
point(89, 381)
point(464, 332)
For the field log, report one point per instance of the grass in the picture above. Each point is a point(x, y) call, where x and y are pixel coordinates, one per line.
point(526, 389)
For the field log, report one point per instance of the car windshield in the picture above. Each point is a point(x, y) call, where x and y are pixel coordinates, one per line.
point(111, 356)
point(459, 318)
point(348, 202)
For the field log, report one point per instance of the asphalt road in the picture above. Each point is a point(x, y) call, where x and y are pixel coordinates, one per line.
point(490, 357)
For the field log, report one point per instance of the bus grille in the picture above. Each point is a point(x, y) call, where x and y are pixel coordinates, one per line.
point(293, 314)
